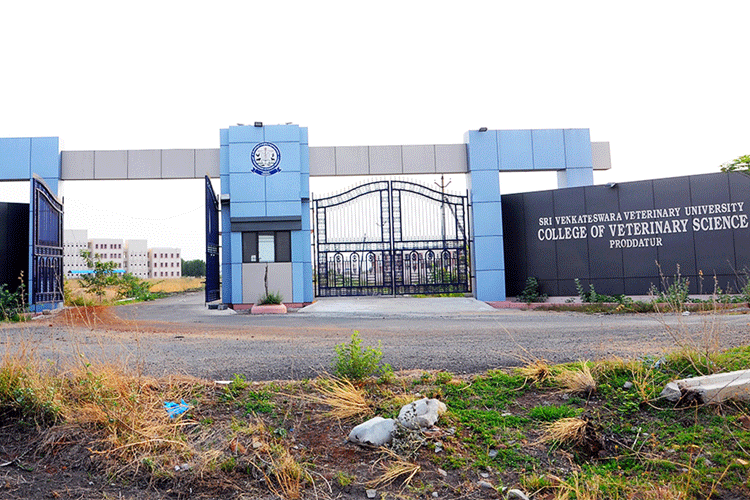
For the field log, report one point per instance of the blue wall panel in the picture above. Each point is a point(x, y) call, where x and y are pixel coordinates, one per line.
point(482, 150)
point(236, 297)
point(575, 177)
point(549, 149)
point(224, 159)
point(239, 157)
point(282, 186)
point(225, 189)
point(45, 158)
point(578, 148)
point(247, 187)
point(301, 246)
point(290, 157)
point(298, 287)
point(485, 185)
point(245, 134)
point(224, 137)
point(515, 150)
point(307, 283)
point(248, 209)
point(283, 208)
point(488, 218)
point(489, 253)
point(490, 285)
point(282, 133)
point(15, 158)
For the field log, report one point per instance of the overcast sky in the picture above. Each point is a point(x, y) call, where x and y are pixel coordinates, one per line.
point(665, 83)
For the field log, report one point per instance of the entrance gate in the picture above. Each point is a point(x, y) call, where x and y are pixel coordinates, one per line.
point(47, 246)
point(391, 237)
point(212, 243)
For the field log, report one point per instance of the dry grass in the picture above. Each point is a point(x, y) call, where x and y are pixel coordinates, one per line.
point(175, 285)
point(394, 467)
point(347, 401)
point(565, 431)
point(537, 370)
point(578, 379)
point(163, 285)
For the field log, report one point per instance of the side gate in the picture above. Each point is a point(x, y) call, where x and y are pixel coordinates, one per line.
point(391, 237)
point(47, 245)
point(212, 244)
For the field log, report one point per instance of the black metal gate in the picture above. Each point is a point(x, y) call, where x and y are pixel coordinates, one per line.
point(47, 246)
point(212, 244)
point(391, 237)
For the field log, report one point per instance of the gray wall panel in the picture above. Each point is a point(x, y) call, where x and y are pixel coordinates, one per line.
point(206, 162)
point(110, 164)
point(352, 160)
point(451, 158)
point(144, 164)
point(600, 157)
point(77, 165)
point(385, 160)
point(177, 163)
point(418, 159)
point(322, 161)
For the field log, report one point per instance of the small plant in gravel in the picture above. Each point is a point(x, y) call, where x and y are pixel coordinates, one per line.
point(354, 362)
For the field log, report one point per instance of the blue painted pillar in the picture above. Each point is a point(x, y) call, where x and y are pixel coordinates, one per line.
point(265, 189)
point(488, 259)
point(567, 151)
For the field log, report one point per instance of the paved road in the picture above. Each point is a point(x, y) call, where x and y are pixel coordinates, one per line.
point(179, 334)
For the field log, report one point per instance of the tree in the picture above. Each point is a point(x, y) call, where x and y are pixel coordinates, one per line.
point(195, 268)
point(101, 276)
point(741, 164)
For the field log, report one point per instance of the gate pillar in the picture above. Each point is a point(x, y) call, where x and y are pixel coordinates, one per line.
point(265, 214)
point(20, 159)
point(567, 151)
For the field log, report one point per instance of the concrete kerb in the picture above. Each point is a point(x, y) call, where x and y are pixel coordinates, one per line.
point(396, 306)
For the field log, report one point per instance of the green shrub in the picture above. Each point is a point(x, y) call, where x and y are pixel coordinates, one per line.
point(592, 297)
point(12, 304)
point(270, 298)
point(531, 292)
point(355, 363)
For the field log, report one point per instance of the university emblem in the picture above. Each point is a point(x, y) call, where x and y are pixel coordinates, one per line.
point(266, 158)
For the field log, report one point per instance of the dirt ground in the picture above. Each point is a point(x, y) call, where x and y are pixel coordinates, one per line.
point(63, 463)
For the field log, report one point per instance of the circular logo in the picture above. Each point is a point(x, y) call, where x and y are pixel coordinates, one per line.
point(265, 158)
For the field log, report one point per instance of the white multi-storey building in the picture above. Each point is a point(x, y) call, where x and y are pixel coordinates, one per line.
point(107, 250)
point(164, 263)
point(136, 258)
point(132, 257)
point(74, 241)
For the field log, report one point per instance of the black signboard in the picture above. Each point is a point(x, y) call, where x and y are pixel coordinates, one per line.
point(14, 244)
point(624, 238)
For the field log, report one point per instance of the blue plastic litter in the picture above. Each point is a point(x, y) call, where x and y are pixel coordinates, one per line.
point(175, 409)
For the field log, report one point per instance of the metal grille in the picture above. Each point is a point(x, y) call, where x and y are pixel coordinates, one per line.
point(212, 244)
point(391, 238)
point(47, 248)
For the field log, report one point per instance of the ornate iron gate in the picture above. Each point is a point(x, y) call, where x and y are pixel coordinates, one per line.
point(47, 246)
point(212, 244)
point(391, 237)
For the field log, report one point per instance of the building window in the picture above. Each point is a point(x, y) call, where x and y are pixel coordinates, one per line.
point(267, 246)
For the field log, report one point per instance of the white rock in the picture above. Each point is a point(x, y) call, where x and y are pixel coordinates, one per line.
point(371, 493)
point(518, 494)
point(421, 414)
point(671, 392)
point(377, 431)
point(486, 485)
